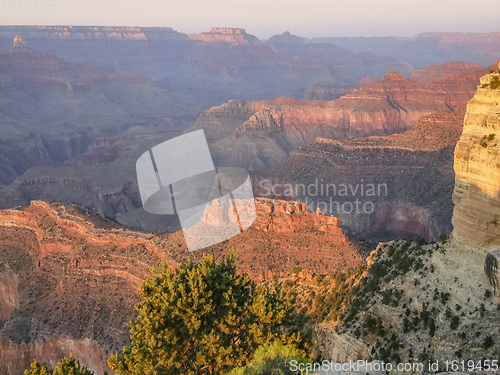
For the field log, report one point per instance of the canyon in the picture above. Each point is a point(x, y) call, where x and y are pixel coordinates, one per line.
point(79, 105)
point(219, 65)
point(69, 277)
point(52, 110)
point(392, 105)
point(289, 141)
point(415, 169)
point(464, 266)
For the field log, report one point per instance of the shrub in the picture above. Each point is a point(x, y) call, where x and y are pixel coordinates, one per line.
point(67, 366)
point(488, 342)
point(272, 359)
point(455, 321)
point(190, 319)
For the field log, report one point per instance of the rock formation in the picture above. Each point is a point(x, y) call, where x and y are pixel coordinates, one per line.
point(264, 138)
point(68, 277)
point(476, 217)
point(285, 38)
point(227, 35)
point(435, 73)
point(19, 45)
point(321, 92)
point(219, 65)
point(415, 166)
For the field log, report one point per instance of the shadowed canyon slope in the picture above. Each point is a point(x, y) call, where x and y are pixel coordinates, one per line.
point(52, 110)
point(414, 170)
point(68, 276)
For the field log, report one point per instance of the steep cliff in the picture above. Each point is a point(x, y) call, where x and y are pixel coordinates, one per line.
point(392, 105)
point(435, 73)
point(414, 170)
point(476, 217)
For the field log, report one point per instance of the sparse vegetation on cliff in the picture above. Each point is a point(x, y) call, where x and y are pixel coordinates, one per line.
point(404, 305)
point(494, 83)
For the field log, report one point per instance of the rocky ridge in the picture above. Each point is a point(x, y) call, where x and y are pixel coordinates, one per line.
point(416, 168)
point(477, 183)
point(265, 137)
point(227, 35)
point(69, 277)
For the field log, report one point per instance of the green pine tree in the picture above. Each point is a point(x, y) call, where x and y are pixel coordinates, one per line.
point(274, 359)
point(67, 366)
point(204, 319)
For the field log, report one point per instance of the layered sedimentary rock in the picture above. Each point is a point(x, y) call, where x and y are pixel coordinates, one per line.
point(328, 93)
point(51, 110)
point(390, 106)
point(227, 35)
point(402, 183)
point(219, 65)
point(68, 277)
point(476, 217)
point(434, 73)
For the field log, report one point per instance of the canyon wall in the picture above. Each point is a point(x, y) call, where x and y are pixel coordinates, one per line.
point(261, 134)
point(414, 170)
point(476, 217)
point(69, 278)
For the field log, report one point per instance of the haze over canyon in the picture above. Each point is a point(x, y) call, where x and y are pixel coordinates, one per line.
point(404, 131)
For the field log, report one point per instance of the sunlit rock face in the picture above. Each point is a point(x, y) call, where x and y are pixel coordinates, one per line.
point(227, 35)
point(476, 216)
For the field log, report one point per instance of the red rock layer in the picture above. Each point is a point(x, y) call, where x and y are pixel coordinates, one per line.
point(68, 276)
point(435, 73)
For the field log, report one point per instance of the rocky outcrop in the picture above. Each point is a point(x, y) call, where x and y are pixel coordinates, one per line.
point(435, 73)
point(414, 171)
point(19, 45)
point(390, 106)
point(233, 36)
point(285, 38)
point(328, 92)
point(476, 219)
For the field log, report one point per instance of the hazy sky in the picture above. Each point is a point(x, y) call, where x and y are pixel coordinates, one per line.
point(265, 18)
